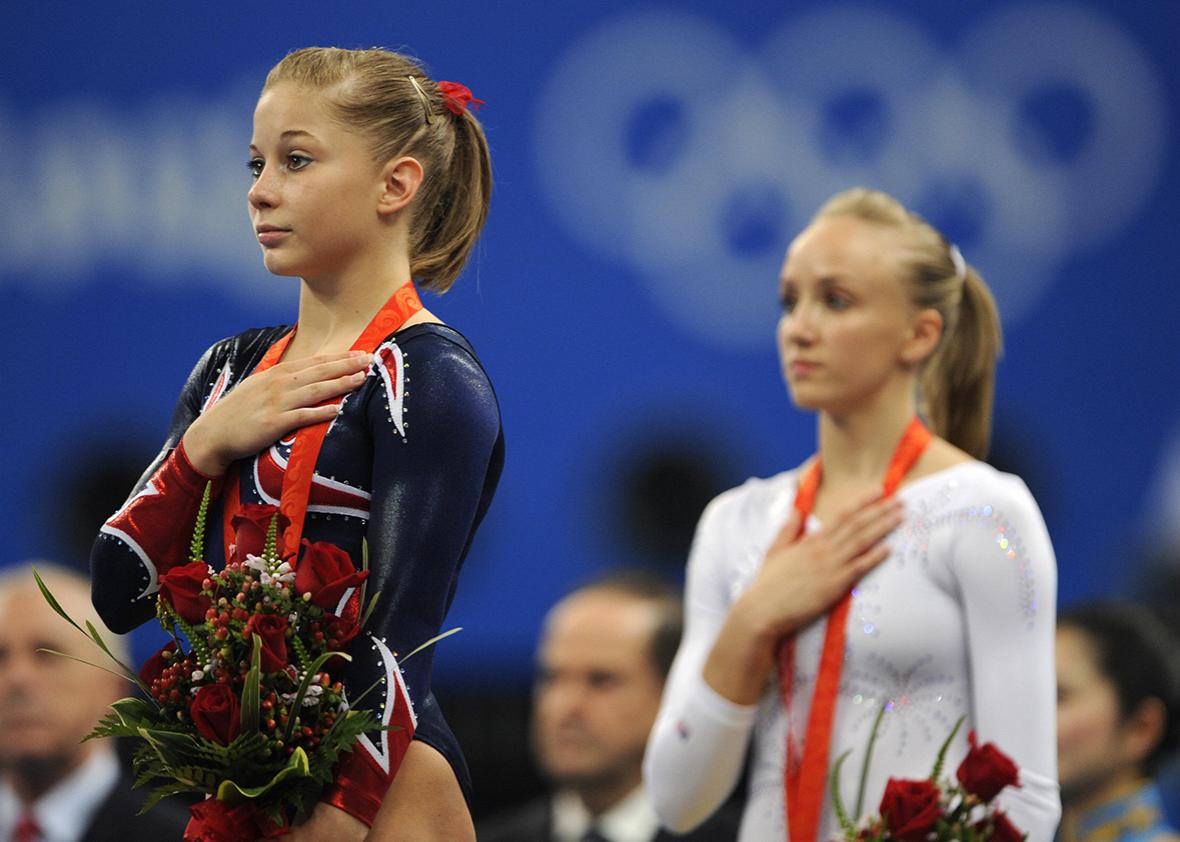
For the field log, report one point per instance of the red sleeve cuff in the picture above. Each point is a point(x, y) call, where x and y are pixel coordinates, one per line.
point(188, 475)
point(360, 786)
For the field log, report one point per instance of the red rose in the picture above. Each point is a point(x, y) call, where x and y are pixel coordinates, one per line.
point(1002, 829)
point(326, 572)
point(986, 770)
point(155, 664)
point(250, 528)
point(215, 821)
point(217, 713)
point(341, 629)
point(910, 808)
point(272, 629)
point(181, 588)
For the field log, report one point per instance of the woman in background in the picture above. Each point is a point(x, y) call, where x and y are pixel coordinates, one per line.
point(905, 574)
point(1118, 719)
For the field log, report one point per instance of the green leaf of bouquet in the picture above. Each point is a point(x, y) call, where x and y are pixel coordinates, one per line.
point(133, 679)
point(164, 791)
point(133, 710)
point(837, 801)
point(372, 606)
point(197, 547)
point(939, 761)
point(127, 673)
point(251, 691)
point(432, 641)
point(53, 603)
point(308, 675)
point(102, 644)
point(864, 769)
point(171, 747)
point(297, 767)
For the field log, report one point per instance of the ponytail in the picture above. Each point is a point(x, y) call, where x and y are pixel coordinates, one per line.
point(958, 383)
point(458, 207)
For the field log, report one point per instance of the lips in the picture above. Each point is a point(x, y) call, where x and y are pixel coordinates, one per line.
point(271, 235)
point(802, 366)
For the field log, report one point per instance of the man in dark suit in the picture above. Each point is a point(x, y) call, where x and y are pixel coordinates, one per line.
point(53, 786)
point(604, 654)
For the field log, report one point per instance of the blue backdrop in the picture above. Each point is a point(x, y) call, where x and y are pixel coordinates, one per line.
point(652, 163)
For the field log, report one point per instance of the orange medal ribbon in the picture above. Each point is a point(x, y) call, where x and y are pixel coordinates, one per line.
point(297, 479)
point(806, 778)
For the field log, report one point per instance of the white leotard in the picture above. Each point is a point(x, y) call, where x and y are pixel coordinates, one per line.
point(958, 621)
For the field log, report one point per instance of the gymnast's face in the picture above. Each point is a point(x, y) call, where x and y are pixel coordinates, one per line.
point(848, 327)
point(597, 691)
point(314, 201)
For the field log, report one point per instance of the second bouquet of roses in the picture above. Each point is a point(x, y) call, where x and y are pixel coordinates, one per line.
point(935, 809)
point(244, 704)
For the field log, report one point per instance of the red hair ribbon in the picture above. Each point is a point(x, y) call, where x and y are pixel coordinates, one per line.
point(458, 97)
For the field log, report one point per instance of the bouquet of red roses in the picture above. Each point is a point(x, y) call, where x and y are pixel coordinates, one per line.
point(935, 809)
point(243, 704)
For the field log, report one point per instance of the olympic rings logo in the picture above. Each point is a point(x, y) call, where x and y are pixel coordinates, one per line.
point(665, 144)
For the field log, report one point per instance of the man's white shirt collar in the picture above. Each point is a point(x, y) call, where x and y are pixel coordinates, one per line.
point(66, 811)
point(631, 820)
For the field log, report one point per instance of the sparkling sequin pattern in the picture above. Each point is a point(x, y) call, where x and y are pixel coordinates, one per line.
point(929, 515)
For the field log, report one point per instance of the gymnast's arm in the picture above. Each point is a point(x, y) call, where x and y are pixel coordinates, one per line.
point(429, 491)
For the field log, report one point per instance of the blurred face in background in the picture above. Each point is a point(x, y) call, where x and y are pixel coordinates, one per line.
point(597, 691)
point(48, 703)
point(1096, 748)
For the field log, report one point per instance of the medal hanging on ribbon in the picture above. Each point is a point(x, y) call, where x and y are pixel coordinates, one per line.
point(300, 471)
point(805, 777)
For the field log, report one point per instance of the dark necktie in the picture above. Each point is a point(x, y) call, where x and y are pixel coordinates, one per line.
point(26, 829)
point(592, 835)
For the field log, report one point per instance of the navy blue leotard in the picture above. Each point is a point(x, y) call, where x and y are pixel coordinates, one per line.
point(410, 463)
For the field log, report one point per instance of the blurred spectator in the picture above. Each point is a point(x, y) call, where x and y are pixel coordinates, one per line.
point(1118, 717)
point(603, 657)
point(53, 786)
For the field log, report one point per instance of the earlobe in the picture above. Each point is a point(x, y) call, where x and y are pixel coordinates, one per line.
point(400, 182)
point(925, 333)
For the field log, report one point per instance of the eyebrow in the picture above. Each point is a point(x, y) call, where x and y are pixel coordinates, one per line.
point(289, 133)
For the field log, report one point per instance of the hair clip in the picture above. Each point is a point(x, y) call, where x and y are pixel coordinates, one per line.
point(425, 99)
point(458, 97)
point(959, 263)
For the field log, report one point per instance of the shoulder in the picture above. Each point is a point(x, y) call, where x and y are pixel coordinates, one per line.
point(430, 373)
point(754, 496)
point(440, 352)
point(746, 508)
point(242, 351)
point(973, 484)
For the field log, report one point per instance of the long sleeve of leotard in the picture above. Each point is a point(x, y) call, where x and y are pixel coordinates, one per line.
point(1006, 575)
point(430, 470)
point(140, 541)
point(697, 747)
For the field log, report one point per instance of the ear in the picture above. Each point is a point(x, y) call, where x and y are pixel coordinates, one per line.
point(400, 180)
point(1143, 729)
point(925, 332)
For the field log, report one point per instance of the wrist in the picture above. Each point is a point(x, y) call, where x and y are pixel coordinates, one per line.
point(199, 455)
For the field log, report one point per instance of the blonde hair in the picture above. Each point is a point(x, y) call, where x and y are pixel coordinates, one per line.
point(388, 98)
point(957, 381)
